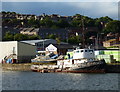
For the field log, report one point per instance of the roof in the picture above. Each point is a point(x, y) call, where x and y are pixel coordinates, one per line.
point(47, 41)
point(110, 40)
point(64, 46)
point(15, 42)
point(48, 30)
point(30, 29)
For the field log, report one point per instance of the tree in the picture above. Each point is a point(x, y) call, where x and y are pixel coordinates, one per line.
point(113, 26)
point(75, 40)
point(32, 22)
point(34, 37)
point(20, 37)
point(47, 22)
point(76, 23)
point(102, 21)
point(51, 36)
point(58, 41)
point(62, 23)
point(8, 36)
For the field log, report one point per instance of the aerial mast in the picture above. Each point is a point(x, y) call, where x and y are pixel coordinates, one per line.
point(83, 33)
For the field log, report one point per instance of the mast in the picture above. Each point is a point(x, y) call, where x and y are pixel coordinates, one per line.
point(83, 33)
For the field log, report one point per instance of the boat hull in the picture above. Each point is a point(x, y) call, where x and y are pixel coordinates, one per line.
point(94, 67)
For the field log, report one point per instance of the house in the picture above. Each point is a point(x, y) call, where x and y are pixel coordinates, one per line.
point(18, 51)
point(51, 49)
point(30, 31)
point(60, 49)
point(111, 42)
point(79, 31)
point(61, 33)
point(8, 16)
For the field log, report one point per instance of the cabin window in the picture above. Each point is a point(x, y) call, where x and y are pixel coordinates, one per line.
point(85, 50)
point(81, 50)
point(77, 51)
point(90, 50)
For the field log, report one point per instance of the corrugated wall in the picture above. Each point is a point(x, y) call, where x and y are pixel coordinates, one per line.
point(26, 52)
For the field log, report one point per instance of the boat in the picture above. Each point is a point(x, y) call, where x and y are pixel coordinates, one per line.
point(82, 61)
point(46, 58)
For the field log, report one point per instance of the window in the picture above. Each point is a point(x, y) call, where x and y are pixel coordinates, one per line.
point(77, 51)
point(90, 50)
point(81, 50)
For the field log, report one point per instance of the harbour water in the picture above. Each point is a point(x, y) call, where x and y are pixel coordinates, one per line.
point(14, 80)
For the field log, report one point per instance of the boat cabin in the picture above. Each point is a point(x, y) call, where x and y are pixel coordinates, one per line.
point(83, 53)
point(79, 56)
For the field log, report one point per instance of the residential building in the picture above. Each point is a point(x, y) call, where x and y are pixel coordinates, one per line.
point(30, 31)
point(60, 49)
point(112, 42)
point(61, 33)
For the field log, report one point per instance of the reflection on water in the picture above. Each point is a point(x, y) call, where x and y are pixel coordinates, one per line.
point(58, 81)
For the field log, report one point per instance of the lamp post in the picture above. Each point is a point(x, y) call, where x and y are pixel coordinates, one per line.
point(98, 40)
point(43, 44)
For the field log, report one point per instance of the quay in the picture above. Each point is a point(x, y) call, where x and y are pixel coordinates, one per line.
point(110, 68)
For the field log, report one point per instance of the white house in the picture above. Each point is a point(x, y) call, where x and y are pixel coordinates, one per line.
point(51, 48)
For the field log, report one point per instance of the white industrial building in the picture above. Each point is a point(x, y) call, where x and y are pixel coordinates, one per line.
point(20, 51)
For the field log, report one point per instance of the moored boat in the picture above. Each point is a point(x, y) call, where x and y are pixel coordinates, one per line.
point(83, 61)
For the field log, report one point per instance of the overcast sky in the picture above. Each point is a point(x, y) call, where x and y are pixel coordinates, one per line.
point(100, 8)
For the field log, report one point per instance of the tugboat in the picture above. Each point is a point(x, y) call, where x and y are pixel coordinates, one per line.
point(83, 61)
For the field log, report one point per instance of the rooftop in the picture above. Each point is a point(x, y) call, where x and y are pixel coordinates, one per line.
point(33, 42)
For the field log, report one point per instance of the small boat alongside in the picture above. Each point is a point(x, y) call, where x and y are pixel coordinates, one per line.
point(83, 61)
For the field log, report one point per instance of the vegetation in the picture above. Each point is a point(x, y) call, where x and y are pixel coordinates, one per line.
point(19, 37)
point(75, 40)
point(112, 26)
point(104, 24)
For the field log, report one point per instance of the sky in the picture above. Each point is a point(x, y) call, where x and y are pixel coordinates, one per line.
point(59, 0)
point(91, 8)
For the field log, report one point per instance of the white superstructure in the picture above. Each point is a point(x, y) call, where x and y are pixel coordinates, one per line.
point(79, 56)
point(83, 53)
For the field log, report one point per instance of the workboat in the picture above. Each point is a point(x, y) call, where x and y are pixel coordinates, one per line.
point(82, 61)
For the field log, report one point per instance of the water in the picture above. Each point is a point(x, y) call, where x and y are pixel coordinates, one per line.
point(13, 80)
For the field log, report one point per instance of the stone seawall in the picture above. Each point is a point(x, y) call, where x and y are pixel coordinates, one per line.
point(16, 67)
point(26, 67)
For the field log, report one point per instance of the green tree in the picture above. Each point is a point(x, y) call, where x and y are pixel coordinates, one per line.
point(47, 22)
point(62, 23)
point(34, 37)
point(20, 37)
point(8, 36)
point(75, 40)
point(58, 41)
point(76, 23)
point(113, 26)
point(102, 21)
point(51, 36)
point(34, 23)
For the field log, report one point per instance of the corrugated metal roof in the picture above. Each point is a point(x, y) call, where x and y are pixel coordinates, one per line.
point(33, 42)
